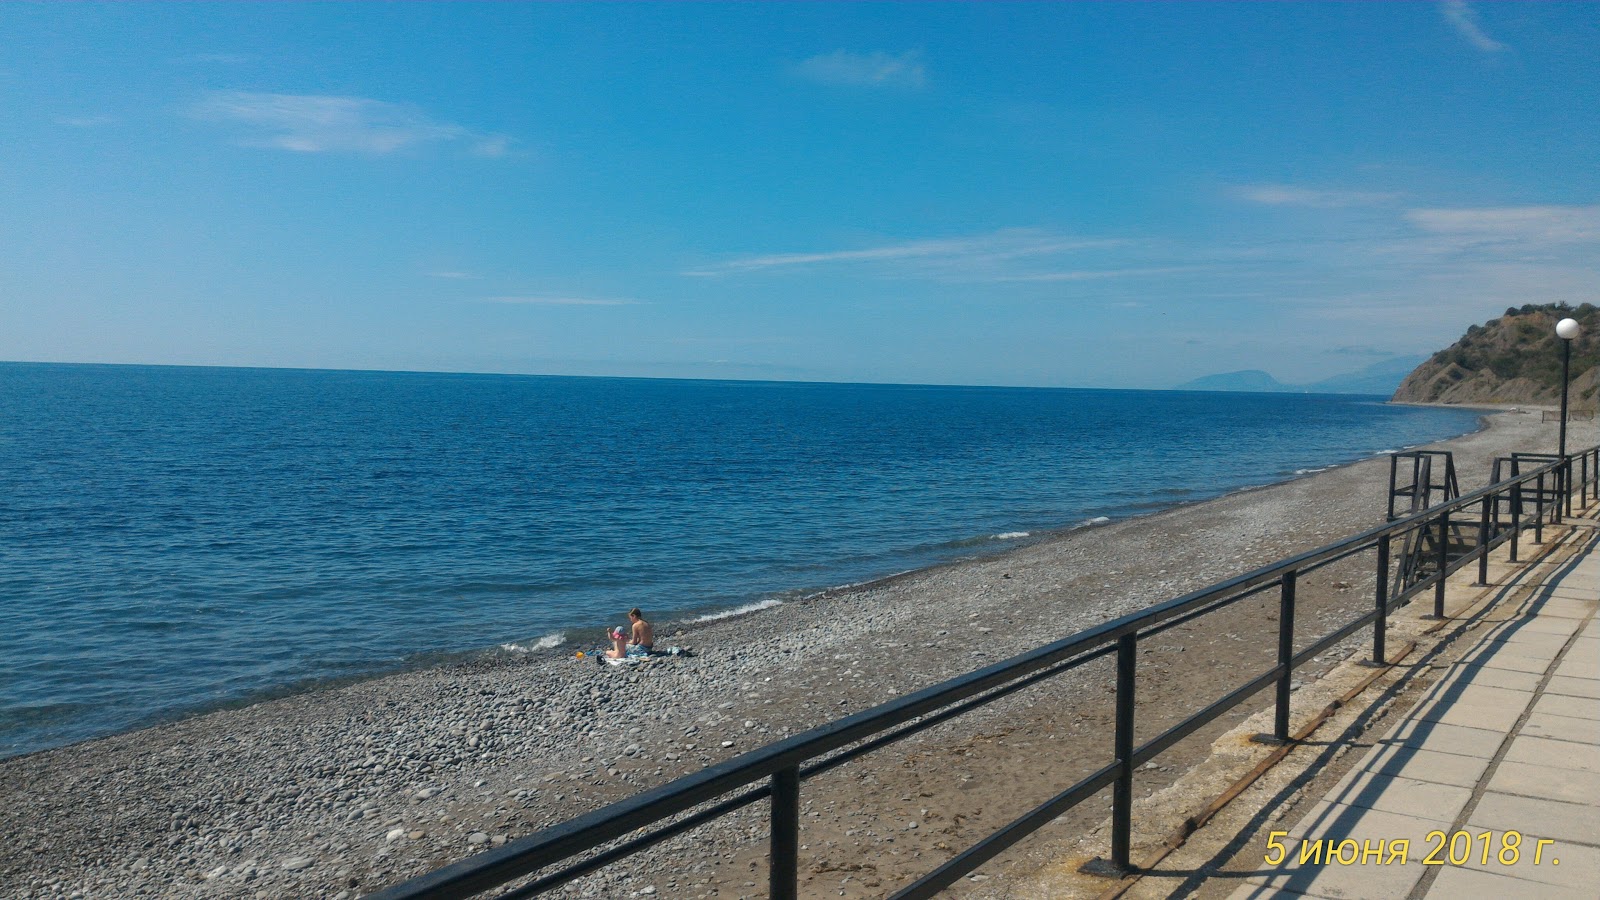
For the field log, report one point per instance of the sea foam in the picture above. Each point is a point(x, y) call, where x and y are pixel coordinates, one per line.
point(737, 611)
point(555, 639)
point(1010, 535)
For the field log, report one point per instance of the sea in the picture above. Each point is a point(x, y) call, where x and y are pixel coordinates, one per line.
point(178, 539)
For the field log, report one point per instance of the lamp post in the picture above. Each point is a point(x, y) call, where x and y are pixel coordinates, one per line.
point(1566, 330)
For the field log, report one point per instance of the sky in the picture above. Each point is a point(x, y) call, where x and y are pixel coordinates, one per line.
point(1124, 195)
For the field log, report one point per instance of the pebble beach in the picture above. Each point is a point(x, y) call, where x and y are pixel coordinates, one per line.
point(342, 791)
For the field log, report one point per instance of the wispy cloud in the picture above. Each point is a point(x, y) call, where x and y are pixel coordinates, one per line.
point(1292, 195)
point(315, 123)
point(973, 256)
point(492, 146)
point(1512, 224)
point(560, 301)
point(86, 121)
point(1464, 19)
point(227, 59)
point(1101, 274)
point(453, 276)
point(876, 69)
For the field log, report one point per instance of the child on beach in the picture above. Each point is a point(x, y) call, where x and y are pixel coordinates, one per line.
point(639, 641)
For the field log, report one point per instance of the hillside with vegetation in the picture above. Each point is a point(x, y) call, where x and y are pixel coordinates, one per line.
point(1513, 359)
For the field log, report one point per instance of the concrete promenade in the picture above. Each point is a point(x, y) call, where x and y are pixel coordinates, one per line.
point(1495, 774)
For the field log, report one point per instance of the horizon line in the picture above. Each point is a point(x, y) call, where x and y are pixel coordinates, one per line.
point(797, 381)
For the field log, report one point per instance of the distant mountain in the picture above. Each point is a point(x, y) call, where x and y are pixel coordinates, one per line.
point(1380, 378)
point(1251, 380)
point(1513, 359)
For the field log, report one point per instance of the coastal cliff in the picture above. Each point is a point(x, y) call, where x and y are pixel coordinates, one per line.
point(1515, 358)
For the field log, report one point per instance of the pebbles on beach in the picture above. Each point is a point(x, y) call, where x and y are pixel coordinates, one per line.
point(346, 790)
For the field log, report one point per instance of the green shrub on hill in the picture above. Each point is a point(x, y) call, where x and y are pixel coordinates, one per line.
point(1513, 359)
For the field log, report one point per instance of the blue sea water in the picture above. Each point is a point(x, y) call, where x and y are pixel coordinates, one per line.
point(174, 538)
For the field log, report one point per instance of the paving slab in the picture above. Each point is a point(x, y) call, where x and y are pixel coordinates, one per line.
point(1467, 884)
point(1516, 855)
point(1540, 651)
point(1583, 661)
point(1514, 663)
point(1360, 870)
point(1490, 716)
point(1565, 823)
point(1475, 674)
point(1447, 738)
point(1573, 707)
point(1340, 882)
point(1543, 624)
point(1565, 605)
point(1549, 782)
point(1551, 754)
point(1573, 687)
point(1423, 765)
point(1523, 641)
point(1399, 794)
point(1340, 821)
point(1564, 728)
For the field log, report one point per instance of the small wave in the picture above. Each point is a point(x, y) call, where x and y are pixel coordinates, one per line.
point(737, 611)
point(1010, 535)
point(1311, 471)
point(1097, 520)
point(1385, 452)
point(544, 643)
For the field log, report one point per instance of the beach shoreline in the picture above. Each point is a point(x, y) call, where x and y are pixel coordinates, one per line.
point(564, 641)
point(356, 786)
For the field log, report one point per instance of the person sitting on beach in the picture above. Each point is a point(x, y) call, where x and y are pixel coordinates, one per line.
point(639, 642)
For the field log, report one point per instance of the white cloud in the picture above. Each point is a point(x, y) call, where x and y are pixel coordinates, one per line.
point(314, 123)
point(1291, 195)
point(560, 301)
point(1464, 19)
point(876, 69)
point(1512, 224)
point(975, 255)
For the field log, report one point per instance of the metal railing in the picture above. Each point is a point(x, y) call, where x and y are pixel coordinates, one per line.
point(776, 772)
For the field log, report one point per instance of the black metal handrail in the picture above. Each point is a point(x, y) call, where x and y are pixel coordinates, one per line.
point(783, 766)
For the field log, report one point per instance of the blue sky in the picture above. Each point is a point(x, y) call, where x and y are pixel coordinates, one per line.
point(1120, 195)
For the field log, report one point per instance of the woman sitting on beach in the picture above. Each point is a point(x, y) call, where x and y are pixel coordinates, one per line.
point(639, 643)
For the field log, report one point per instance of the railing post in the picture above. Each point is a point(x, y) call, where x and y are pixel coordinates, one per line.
point(1122, 795)
point(1596, 455)
point(1394, 470)
point(783, 871)
point(1380, 625)
point(1443, 562)
point(1280, 719)
point(1566, 485)
point(1538, 511)
point(1516, 519)
point(1558, 487)
point(1483, 541)
point(1583, 479)
point(1122, 792)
